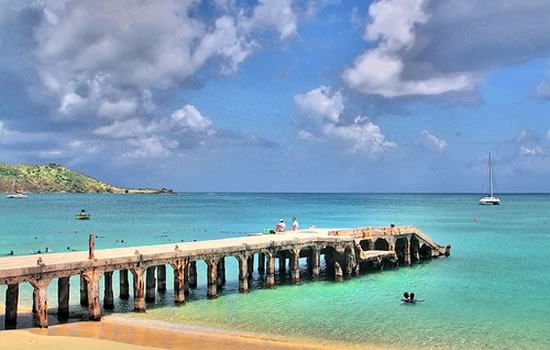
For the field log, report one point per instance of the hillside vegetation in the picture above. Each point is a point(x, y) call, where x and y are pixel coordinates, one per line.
point(55, 178)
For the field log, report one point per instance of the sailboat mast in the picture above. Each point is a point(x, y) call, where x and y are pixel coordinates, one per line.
point(491, 174)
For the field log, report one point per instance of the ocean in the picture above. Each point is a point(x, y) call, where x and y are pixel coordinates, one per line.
point(493, 292)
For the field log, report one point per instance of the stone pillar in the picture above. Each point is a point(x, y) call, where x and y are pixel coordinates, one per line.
point(139, 289)
point(150, 284)
point(193, 274)
point(295, 265)
point(108, 297)
point(250, 265)
point(212, 278)
point(243, 273)
point(94, 308)
point(33, 301)
point(12, 299)
point(407, 253)
point(282, 263)
point(350, 261)
point(124, 286)
point(220, 273)
point(83, 291)
point(270, 271)
point(315, 260)
point(63, 292)
point(261, 262)
point(338, 273)
point(161, 278)
point(41, 302)
point(186, 277)
point(180, 266)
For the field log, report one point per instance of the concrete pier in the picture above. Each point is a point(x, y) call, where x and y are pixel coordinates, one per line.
point(124, 285)
point(161, 278)
point(63, 292)
point(344, 251)
point(108, 296)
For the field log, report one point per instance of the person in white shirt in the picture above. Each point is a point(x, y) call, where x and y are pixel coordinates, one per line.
point(281, 226)
point(295, 224)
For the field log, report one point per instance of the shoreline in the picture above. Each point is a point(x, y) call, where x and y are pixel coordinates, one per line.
point(119, 333)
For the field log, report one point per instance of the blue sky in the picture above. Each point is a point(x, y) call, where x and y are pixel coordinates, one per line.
point(280, 95)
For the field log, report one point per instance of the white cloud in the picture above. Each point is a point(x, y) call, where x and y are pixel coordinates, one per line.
point(277, 14)
point(190, 118)
point(149, 147)
point(542, 90)
point(380, 71)
point(323, 111)
point(531, 151)
point(431, 141)
point(117, 110)
point(321, 102)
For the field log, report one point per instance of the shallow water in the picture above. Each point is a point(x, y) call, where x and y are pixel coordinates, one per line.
point(492, 293)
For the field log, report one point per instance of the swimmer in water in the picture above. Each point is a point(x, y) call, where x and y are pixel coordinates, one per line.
point(406, 297)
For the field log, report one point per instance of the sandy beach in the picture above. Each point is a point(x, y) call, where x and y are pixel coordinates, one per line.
point(113, 333)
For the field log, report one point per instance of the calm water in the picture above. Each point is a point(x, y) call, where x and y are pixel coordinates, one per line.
point(492, 293)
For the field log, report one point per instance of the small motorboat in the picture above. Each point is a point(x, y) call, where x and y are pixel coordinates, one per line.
point(83, 215)
point(16, 196)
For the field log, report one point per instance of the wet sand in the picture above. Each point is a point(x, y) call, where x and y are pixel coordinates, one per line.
point(113, 333)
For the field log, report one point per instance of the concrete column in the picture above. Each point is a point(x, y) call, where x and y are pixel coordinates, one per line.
point(124, 285)
point(243, 273)
point(270, 271)
point(179, 280)
point(139, 289)
point(161, 278)
point(315, 260)
point(212, 278)
point(108, 297)
point(349, 255)
point(94, 307)
point(261, 262)
point(41, 302)
point(295, 265)
point(338, 273)
point(193, 274)
point(282, 263)
point(83, 291)
point(220, 273)
point(33, 301)
point(150, 284)
point(12, 299)
point(250, 265)
point(63, 292)
point(407, 253)
point(186, 277)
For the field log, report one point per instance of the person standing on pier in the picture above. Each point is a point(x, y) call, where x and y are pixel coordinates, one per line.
point(295, 224)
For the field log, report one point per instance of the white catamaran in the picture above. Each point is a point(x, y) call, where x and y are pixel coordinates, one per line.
point(491, 199)
point(13, 194)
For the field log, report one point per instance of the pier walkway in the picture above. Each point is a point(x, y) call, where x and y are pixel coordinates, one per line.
point(346, 252)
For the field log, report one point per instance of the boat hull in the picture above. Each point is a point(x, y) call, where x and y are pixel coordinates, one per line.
point(489, 201)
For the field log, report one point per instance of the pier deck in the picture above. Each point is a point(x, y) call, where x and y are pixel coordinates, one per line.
point(344, 250)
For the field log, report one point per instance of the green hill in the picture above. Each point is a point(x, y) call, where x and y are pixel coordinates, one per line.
point(55, 178)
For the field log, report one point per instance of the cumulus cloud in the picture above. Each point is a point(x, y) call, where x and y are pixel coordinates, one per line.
point(542, 90)
point(427, 47)
point(323, 110)
point(431, 141)
point(321, 103)
point(381, 70)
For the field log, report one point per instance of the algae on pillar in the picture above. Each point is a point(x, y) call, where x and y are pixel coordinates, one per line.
point(150, 284)
point(139, 289)
point(124, 285)
point(63, 292)
point(243, 273)
point(295, 265)
point(220, 279)
point(41, 302)
point(193, 274)
point(270, 269)
point(250, 265)
point(12, 299)
point(315, 261)
point(108, 297)
point(83, 291)
point(212, 273)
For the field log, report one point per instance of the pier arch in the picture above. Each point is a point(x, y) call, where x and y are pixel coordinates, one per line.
point(401, 249)
point(425, 251)
point(381, 244)
point(366, 244)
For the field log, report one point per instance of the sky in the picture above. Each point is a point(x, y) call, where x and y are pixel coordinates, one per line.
point(280, 95)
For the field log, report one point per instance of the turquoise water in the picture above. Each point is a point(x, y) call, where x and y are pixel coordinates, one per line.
point(492, 293)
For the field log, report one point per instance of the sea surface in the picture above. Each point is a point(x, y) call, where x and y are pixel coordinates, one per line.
point(493, 292)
